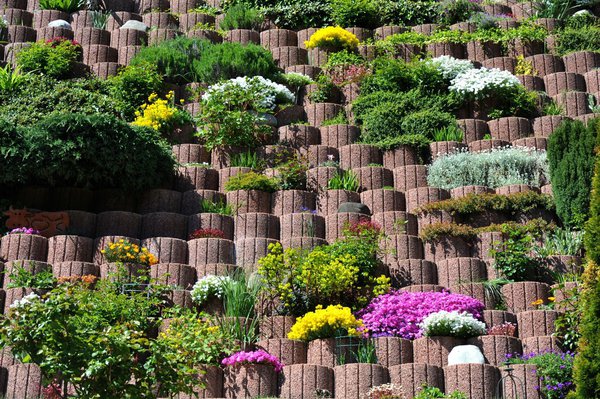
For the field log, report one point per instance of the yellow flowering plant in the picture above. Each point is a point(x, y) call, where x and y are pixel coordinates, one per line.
point(161, 114)
point(332, 38)
point(330, 322)
point(125, 252)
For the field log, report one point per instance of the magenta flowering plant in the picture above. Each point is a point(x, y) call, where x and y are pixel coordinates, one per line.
point(398, 313)
point(253, 357)
point(24, 230)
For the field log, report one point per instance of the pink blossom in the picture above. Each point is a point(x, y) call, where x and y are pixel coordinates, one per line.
point(253, 357)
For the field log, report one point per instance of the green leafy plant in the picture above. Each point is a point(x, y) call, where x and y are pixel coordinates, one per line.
point(571, 161)
point(561, 241)
point(553, 108)
point(132, 86)
point(362, 13)
point(554, 368)
point(11, 79)
point(584, 38)
point(220, 207)
point(453, 11)
point(22, 277)
point(291, 173)
point(247, 159)
point(100, 19)
point(53, 58)
point(240, 16)
point(68, 6)
point(435, 393)
point(251, 181)
point(448, 133)
point(339, 119)
point(343, 180)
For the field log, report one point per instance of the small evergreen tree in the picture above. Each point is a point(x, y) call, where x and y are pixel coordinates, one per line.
point(571, 159)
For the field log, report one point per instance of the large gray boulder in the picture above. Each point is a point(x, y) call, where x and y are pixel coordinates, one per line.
point(354, 207)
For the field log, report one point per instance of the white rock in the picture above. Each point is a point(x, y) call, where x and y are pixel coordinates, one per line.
point(60, 23)
point(137, 25)
point(463, 354)
point(582, 12)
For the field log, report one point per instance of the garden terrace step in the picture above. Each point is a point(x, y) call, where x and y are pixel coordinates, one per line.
point(318, 57)
point(434, 350)
point(24, 246)
point(416, 197)
point(434, 217)
point(12, 49)
point(541, 344)
point(423, 288)
point(41, 18)
point(295, 225)
point(520, 296)
point(17, 16)
point(509, 128)
point(339, 135)
point(117, 223)
point(82, 223)
point(309, 70)
point(32, 266)
point(191, 200)
point(455, 50)
point(362, 34)
point(546, 189)
point(383, 200)
point(250, 201)
point(159, 20)
point(539, 143)
point(479, 51)
point(587, 117)
point(113, 200)
point(202, 251)
point(581, 61)
point(353, 381)
point(287, 351)
point(49, 33)
point(561, 82)
point(474, 129)
point(543, 126)
point(485, 145)
point(286, 56)
point(160, 200)
point(406, 272)
point(317, 113)
point(475, 289)
point(469, 27)
point(551, 24)
point(160, 35)
point(197, 178)
point(273, 38)
point(384, 31)
point(224, 174)
point(297, 136)
point(191, 153)
point(328, 201)
point(300, 381)
point(183, 299)
point(276, 327)
point(392, 351)
point(425, 29)
point(290, 201)
point(592, 80)
point(440, 148)
point(174, 273)
point(396, 222)
point(215, 269)
point(21, 4)
point(126, 53)
point(167, 249)
point(242, 36)
point(402, 246)
point(86, 36)
point(532, 83)
point(120, 38)
point(496, 347)
point(564, 264)
point(516, 188)
point(146, 6)
point(303, 243)
point(118, 19)
point(575, 103)
point(373, 177)
point(455, 271)
point(74, 268)
point(525, 48)
point(447, 247)
point(497, 317)
point(463, 191)
point(24, 381)
point(401, 156)
point(249, 250)
point(95, 53)
point(477, 381)
point(413, 376)
point(117, 271)
point(534, 323)
point(410, 177)
point(64, 248)
point(546, 64)
point(504, 63)
point(256, 225)
point(206, 220)
point(336, 223)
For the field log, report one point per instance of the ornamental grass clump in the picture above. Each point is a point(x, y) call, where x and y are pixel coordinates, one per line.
point(332, 38)
point(124, 251)
point(399, 314)
point(207, 287)
point(330, 322)
point(493, 168)
point(452, 324)
point(253, 357)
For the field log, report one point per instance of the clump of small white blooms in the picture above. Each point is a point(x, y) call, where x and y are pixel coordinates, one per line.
point(453, 324)
point(296, 79)
point(451, 67)
point(480, 83)
point(209, 286)
point(386, 391)
point(27, 299)
point(268, 94)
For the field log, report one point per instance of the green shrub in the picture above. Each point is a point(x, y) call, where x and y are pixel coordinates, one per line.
point(173, 58)
point(68, 6)
point(578, 39)
point(383, 122)
point(133, 85)
point(55, 58)
point(351, 13)
point(571, 160)
point(96, 151)
point(435, 393)
point(495, 168)
point(453, 11)
point(397, 75)
point(300, 14)
point(408, 12)
point(40, 96)
point(426, 122)
point(11, 78)
point(13, 154)
point(251, 181)
point(230, 60)
point(344, 180)
point(240, 16)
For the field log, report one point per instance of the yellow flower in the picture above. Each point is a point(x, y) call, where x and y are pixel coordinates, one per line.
point(537, 302)
point(332, 38)
point(551, 298)
point(324, 323)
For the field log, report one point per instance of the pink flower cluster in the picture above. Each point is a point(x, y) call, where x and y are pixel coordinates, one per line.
point(256, 357)
point(24, 230)
point(398, 313)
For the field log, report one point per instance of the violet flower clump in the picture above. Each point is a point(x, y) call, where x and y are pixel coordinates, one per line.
point(398, 314)
point(255, 357)
point(24, 230)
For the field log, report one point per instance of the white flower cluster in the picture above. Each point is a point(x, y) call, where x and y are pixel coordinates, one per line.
point(208, 286)
point(268, 94)
point(479, 83)
point(27, 299)
point(451, 67)
point(454, 324)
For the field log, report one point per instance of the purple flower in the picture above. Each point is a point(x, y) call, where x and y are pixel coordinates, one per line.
point(253, 357)
point(24, 230)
